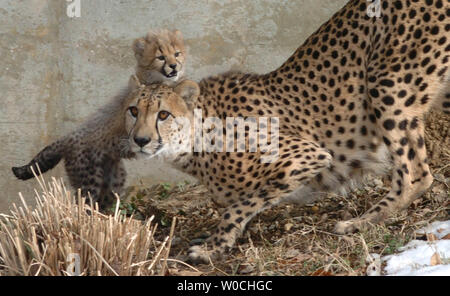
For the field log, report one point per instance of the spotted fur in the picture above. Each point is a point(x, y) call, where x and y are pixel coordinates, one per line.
point(350, 101)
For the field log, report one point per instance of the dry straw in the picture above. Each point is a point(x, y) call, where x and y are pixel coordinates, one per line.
point(64, 235)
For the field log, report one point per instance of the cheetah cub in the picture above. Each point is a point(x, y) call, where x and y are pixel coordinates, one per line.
point(93, 153)
point(350, 101)
point(160, 57)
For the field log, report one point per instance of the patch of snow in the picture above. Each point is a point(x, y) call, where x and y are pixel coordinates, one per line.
point(416, 257)
point(374, 268)
point(439, 229)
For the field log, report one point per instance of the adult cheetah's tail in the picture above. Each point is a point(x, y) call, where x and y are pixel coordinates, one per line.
point(47, 159)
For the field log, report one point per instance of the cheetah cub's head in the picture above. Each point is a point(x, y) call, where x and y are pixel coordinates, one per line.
point(159, 118)
point(160, 57)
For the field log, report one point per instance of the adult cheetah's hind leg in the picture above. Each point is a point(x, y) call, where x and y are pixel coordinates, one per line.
point(411, 177)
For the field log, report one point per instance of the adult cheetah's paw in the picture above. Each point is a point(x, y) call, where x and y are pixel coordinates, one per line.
point(199, 255)
point(348, 227)
point(366, 221)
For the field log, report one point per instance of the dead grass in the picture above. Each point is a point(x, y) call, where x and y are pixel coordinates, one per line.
point(64, 229)
point(437, 138)
point(294, 240)
point(287, 240)
point(290, 239)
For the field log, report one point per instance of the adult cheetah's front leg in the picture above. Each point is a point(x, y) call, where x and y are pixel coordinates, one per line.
point(299, 162)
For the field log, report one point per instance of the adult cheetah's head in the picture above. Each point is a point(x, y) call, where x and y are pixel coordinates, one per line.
point(158, 119)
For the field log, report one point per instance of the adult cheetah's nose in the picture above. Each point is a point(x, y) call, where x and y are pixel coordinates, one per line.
point(142, 141)
point(173, 66)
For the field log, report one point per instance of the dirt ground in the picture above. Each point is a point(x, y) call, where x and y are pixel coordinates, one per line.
point(294, 240)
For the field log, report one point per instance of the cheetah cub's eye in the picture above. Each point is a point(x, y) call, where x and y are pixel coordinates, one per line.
point(161, 58)
point(133, 111)
point(163, 115)
point(177, 54)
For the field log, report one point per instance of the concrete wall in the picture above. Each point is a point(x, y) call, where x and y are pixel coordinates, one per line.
point(56, 70)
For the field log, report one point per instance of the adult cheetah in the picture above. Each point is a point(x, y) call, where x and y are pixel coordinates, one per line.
point(350, 101)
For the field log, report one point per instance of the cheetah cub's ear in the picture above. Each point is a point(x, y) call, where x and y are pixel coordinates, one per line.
point(189, 91)
point(178, 36)
point(134, 83)
point(139, 46)
point(161, 34)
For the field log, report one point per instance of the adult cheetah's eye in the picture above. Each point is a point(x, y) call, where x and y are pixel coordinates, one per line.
point(161, 58)
point(177, 54)
point(133, 111)
point(163, 115)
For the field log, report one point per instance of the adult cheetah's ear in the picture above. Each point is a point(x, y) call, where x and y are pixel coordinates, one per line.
point(189, 91)
point(139, 46)
point(134, 83)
